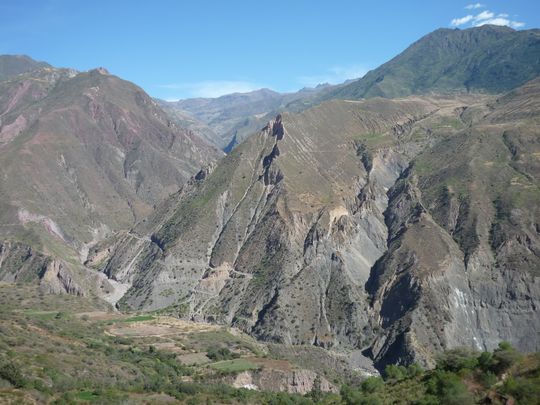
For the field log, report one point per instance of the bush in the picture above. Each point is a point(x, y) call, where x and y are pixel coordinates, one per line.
point(414, 370)
point(488, 379)
point(504, 357)
point(11, 373)
point(222, 353)
point(449, 388)
point(485, 361)
point(457, 359)
point(526, 391)
point(350, 396)
point(372, 384)
point(395, 373)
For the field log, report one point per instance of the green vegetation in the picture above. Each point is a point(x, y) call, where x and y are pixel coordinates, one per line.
point(461, 377)
point(490, 59)
point(140, 318)
point(56, 355)
point(234, 366)
point(220, 354)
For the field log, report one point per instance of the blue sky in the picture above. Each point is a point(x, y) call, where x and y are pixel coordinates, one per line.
point(178, 49)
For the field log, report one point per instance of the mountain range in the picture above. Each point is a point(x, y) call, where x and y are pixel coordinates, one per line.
point(394, 216)
point(227, 120)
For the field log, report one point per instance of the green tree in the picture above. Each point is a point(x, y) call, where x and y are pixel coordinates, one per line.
point(394, 372)
point(372, 384)
point(316, 393)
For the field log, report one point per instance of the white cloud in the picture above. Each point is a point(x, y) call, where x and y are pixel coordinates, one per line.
point(456, 22)
point(486, 17)
point(334, 75)
point(474, 6)
point(212, 88)
point(502, 22)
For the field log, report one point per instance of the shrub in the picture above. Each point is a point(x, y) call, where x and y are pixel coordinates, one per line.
point(485, 361)
point(504, 357)
point(11, 373)
point(372, 384)
point(526, 391)
point(414, 370)
point(457, 359)
point(449, 388)
point(222, 353)
point(488, 379)
point(350, 396)
point(395, 373)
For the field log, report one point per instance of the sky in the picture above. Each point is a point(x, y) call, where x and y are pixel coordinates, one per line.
point(181, 49)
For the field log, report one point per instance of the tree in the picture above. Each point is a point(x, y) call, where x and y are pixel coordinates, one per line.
point(394, 372)
point(372, 384)
point(316, 393)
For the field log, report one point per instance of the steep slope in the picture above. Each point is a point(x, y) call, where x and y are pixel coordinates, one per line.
point(13, 65)
point(463, 259)
point(280, 238)
point(488, 59)
point(82, 155)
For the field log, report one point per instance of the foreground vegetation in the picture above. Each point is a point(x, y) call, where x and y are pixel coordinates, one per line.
point(64, 350)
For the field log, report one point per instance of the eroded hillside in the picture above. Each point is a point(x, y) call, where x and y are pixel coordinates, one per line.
point(368, 224)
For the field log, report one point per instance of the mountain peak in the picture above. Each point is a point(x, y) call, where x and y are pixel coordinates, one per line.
point(13, 65)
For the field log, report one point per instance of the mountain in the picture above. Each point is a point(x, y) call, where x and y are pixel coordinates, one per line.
point(396, 227)
point(389, 229)
point(489, 59)
point(227, 120)
point(82, 155)
point(13, 65)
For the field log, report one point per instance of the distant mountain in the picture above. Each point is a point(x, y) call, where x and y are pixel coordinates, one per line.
point(229, 119)
point(12, 65)
point(488, 59)
point(81, 155)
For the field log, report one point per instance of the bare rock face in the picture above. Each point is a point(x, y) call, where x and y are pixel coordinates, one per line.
point(292, 381)
point(58, 280)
